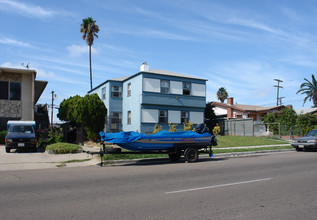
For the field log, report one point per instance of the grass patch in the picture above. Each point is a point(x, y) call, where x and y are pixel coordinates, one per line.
point(131, 156)
point(63, 148)
point(72, 161)
point(238, 141)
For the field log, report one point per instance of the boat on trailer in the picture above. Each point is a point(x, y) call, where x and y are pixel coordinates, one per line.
point(175, 144)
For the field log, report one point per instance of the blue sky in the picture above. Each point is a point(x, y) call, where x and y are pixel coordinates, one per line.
point(240, 45)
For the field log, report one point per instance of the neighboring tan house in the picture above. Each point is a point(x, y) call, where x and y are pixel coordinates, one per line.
point(232, 111)
point(19, 92)
point(139, 101)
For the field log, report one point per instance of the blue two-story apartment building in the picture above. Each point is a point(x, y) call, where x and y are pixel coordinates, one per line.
point(139, 101)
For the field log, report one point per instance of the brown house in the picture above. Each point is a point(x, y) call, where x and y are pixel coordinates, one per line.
point(230, 110)
point(19, 92)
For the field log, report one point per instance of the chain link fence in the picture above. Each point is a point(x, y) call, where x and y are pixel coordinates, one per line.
point(248, 127)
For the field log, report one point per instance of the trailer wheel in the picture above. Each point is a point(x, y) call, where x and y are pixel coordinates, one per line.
point(191, 155)
point(174, 156)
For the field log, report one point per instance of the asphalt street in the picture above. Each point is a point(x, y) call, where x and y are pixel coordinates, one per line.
point(270, 186)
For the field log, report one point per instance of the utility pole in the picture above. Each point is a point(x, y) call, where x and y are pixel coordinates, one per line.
point(278, 88)
point(280, 98)
point(53, 97)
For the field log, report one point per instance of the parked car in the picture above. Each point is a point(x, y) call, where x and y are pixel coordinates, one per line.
point(309, 141)
point(21, 134)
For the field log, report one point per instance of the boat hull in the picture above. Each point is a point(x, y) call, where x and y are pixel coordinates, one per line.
point(158, 142)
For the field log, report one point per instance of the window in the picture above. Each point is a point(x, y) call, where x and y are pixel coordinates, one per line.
point(116, 117)
point(4, 90)
point(186, 88)
point(165, 86)
point(103, 93)
point(116, 91)
point(10, 90)
point(129, 117)
point(129, 89)
point(163, 116)
point(184, 117)
point(15, 91)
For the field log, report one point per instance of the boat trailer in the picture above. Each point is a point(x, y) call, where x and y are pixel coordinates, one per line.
point(190, 151)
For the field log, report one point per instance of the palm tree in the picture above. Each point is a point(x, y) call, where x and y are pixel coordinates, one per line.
point(89, 30)
point(222, 94)
point(309, 89)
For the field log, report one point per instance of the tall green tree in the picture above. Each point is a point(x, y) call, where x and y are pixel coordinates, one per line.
point(88, 111)
point(306, 122)
point(222, 94)
point(310, 90)
point(89, 29)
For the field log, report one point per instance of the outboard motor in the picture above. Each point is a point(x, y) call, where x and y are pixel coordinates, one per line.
point(201, 129)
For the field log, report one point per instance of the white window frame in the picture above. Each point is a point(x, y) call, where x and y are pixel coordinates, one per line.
point(186, 118)
point(165, 86)
point(129, 89)
point(103, 93)
point(163, 116)
point(186, 89)
point(116, 91)
point(129, 118)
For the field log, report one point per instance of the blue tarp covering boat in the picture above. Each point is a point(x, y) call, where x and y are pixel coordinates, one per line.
point(162, 140)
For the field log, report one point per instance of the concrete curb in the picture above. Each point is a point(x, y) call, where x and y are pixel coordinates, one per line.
point(205, 156)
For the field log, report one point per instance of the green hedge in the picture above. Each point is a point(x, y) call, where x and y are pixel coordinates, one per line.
point(2, 136)
point(63, 148)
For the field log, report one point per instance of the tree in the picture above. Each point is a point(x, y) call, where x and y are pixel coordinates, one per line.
point(306, 122)
point(222, 94)
point(88, 111)
point(310, 90)
point(89, 30)
point(210, 117)
point(287, 117)
point(270, 121)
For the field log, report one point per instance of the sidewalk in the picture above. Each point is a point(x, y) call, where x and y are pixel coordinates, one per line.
point(42, 160)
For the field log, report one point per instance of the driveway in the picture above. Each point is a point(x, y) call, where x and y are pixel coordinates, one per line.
point(41, 160)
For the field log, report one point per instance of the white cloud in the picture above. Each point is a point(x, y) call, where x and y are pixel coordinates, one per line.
point(45, 75)
point(9, 41)
point(10, 65)
point(29, 10)
point(78, 50)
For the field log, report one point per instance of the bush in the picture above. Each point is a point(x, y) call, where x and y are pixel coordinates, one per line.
point(172, 127)
point(63, 148)
point(2, 136)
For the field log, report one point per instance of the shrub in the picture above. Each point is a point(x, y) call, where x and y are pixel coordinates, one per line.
point(55, 135)
point(172, 127)
point(2, 136)
point(216, 130)
point(63, 148)
point(188, 126)
point(157, 128)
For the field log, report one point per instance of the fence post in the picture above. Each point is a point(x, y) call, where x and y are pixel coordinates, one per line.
point(279, 130)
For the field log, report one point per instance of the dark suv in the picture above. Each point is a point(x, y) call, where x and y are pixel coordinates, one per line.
point(20, 136)
point(309, 141)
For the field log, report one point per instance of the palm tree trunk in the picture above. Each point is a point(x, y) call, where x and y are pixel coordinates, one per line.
point(90, 67)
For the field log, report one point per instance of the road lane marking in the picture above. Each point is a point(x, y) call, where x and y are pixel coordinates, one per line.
point(221, 185)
